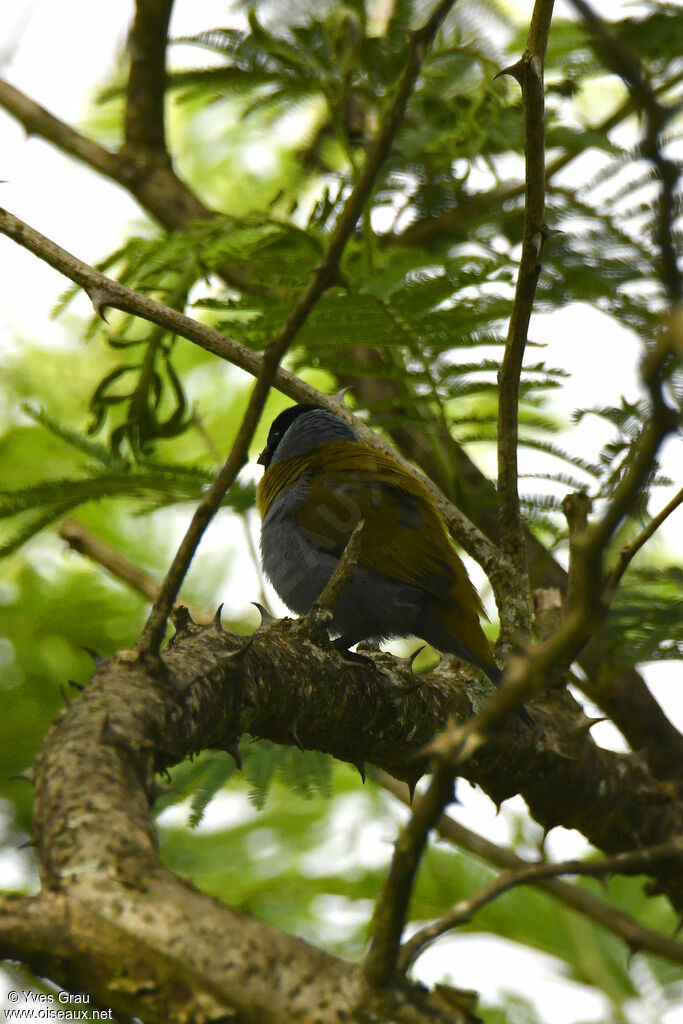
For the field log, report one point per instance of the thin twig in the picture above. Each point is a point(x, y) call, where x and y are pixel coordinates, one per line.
point(105, 291)
point(325, 275)
point(323, 608)
point(635, 935)
point(529, 73)
point(153, 632)
point(85, 542)
point(253, 554)
point(381, 961)
point(629, 862)
point(517, 615)
point(627, 553)
point(534, 671)
point(622, 61)
point(424, 232)
point(576, 507)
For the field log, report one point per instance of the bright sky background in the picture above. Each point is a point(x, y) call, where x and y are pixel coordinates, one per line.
point(55, 52)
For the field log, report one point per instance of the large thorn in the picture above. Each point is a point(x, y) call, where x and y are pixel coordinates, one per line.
point(338, 396)
point(295, 735)
point(233, 749)
point(266, 617)
point(412, 657)
point(27, 775)
point(101, 299)
point(95, 655)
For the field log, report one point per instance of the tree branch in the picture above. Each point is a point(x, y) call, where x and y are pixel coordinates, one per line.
point(154, 185)
point(631, 862)
point(325, 275)
point(144, 131)
point(40, 122)
point(515, 608)
point(564, 781)
point(129, 723)
point(104, 291)
point(636, 936)
point(150, 950)
point(219, 677)
point(544, 661)
point(382, 959)
point(162, 194)
point(628, 553)
point(86, 543)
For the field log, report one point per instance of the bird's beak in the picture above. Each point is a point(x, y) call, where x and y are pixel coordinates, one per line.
point(262, 457)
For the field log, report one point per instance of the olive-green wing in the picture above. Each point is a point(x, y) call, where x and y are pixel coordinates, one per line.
point(404, 536)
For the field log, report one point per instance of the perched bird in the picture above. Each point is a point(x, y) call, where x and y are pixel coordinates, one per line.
point(319, 481)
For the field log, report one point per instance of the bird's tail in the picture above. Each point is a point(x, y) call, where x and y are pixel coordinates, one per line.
point(455, 630)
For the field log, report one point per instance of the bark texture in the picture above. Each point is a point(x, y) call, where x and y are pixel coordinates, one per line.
point(112, 921)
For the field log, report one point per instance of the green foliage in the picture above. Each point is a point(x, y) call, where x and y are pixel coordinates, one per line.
point(628, 418)
point(274, 852)
point(104, 475)
point(304, 772)
point(645, 617)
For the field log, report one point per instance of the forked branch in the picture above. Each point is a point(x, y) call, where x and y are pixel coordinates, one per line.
point(629, 862)
point(325, 275)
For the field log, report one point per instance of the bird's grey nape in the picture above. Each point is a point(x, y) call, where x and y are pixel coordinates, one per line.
point(313, 428)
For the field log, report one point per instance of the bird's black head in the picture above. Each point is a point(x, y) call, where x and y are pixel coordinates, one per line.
point(278, 429)
point(306, 427)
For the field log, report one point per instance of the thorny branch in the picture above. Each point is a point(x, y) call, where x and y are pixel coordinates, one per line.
point(635, 935)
